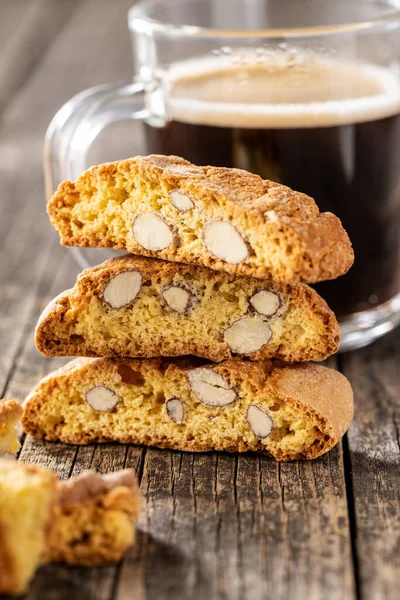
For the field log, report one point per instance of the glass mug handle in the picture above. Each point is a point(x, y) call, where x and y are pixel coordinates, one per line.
point(77, 123)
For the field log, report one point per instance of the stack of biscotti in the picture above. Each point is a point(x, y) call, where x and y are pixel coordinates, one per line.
point(199, 339)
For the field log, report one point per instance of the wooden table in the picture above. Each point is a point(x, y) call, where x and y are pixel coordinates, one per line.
point(213, 526)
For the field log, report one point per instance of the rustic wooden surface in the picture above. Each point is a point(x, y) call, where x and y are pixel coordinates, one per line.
point(213, 526)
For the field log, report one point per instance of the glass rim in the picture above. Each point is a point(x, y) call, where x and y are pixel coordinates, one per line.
point(139, 20)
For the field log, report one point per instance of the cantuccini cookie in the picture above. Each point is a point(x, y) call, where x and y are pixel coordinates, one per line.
point(143, 307)
point(226, 219)
point(10, 413)
point(26, 498)
point(93, 520)
point(291, 412)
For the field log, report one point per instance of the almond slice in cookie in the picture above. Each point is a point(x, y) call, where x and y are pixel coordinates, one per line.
point(152, 232)
point(175, 410)
point(248, 335)
point(122, 289)
point(259, 421)
point(224, 241)
point(210, 387)
point(267, 303)
point(101, 398)
point(181, 201)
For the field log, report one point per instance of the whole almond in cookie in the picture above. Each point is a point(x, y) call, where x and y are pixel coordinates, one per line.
point(179, 298)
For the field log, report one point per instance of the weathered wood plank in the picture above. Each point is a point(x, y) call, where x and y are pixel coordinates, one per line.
point(221, 526)
point(27, 28)
point(374, 449)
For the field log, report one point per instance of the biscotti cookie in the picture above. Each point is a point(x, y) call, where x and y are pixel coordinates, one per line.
point(226, 219)
point(10, 413)
point(93, 518)
point(142, 307)
point(290, 412)
point(26, 497)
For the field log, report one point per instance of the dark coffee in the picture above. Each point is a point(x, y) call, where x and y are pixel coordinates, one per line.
point(329, 130)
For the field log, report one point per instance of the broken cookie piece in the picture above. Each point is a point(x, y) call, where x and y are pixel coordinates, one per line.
point(143, 307)
point(27, 495)
point(209, 216)
point(10, 413)
point(93, 521)
point(290, 412)
point(87, 520)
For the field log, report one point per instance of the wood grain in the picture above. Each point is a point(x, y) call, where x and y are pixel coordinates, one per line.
point(34, 25)
point(227, 526)
point(213, 526)
point(374, 466)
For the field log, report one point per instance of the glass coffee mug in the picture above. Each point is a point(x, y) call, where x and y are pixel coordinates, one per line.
point(303, 92)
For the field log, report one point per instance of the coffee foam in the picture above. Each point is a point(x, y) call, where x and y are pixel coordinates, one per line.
point(377, 95)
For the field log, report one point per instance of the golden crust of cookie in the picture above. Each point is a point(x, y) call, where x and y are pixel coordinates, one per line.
point(309, 407)
point(281, 232)
point(80, 322)
point(93, 518)
point(10, 413)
